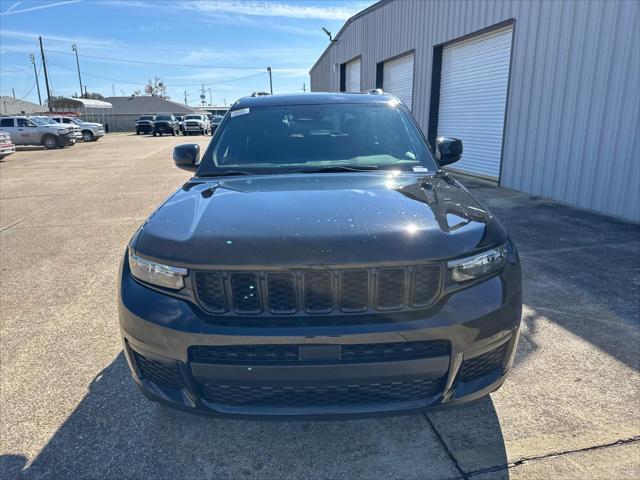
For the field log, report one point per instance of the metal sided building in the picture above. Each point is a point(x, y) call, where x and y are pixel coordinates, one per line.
point(544, 94)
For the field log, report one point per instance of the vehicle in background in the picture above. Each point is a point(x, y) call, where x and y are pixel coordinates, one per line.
point(196, 123)
point(215, 122)
point(165, 123)
point(91, 131)
point(180, 119)
point(25, 131)
point(6, 145)
point(42, 120)
point(144, 124)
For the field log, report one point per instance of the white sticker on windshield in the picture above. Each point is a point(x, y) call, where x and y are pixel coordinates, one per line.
point(242, 111)
point(420, 169)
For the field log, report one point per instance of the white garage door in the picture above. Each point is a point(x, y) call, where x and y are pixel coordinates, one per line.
point(473, 95)
point(397, 78)
point(352, 76)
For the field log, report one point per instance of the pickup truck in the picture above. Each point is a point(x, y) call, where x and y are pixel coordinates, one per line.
point(43, 120)
point(144, 124)
point(196, 123)
point(6, 145)
point(91, 131)
point(166, 123)
point(25, 131)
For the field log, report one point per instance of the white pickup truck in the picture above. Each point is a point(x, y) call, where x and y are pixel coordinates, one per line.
point(91, 131)
point(196, 123)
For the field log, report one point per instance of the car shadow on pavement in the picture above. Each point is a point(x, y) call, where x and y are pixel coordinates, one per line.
point(114, 432)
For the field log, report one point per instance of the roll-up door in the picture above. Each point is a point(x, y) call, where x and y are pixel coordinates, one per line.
point(352, 76)
point(473, 96)
point(397, 78)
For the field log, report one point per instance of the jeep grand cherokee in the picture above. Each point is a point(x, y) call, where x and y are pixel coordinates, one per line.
point(319, 263)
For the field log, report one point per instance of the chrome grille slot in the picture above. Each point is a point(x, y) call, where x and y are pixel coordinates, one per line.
point(282, 293)
point(245, 292)
point(354, 291)
point(317, 291)
point(390, 291)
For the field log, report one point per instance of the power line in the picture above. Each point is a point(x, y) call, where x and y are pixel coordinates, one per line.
point(172, 84)
point(146, 62)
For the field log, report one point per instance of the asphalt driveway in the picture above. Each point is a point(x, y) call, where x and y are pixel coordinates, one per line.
point(68, 408)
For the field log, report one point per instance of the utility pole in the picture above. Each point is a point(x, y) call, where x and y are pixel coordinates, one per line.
point(185, 99)
point(210, 101)
point(270, 80)
point(304, 87)
point(33, 61)
point(86, 94)
point(203, 96)
point(46, 75)
point(75, 49)
point(14, 93)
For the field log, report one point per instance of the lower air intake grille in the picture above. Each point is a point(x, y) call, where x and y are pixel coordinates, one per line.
point(319, 396)
point(290, 354)
point(378, 352)
point(160, 373)
point(484, 364)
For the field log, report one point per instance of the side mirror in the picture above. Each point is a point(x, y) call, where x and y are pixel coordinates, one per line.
point(187, 156)
point(448, 150)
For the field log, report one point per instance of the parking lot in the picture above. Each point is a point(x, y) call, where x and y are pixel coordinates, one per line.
point(69, 408)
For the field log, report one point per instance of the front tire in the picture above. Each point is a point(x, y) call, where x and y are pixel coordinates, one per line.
point(155, 134)
point(50, 142)
point(87, 136)
point(137, 132)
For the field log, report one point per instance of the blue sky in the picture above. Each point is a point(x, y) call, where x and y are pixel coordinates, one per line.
point(225, 45)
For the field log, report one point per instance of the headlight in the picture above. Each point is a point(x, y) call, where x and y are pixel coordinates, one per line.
point(157, 273)
point(478, 266)
point(62, 131)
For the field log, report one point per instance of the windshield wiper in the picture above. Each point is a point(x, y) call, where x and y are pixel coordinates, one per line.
point(337, 168)
point(228, 173)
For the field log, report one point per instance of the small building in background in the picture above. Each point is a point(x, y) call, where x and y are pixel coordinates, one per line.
point(14, 106)
point(126, 110)
point(545, 95)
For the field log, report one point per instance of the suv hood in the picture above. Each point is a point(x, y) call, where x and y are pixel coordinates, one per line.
point(90, 124)
point(319, 219)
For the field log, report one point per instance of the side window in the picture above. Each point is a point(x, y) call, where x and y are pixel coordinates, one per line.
point(67, 120)
point(6, 122)
point(23, 122)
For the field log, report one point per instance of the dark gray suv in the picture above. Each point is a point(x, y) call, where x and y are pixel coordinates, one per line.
point(319, 263)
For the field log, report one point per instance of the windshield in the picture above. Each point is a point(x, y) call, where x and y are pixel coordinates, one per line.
point(312, 137)
point(146, 117)
point(163, 117)
point(41, 121)
point(193, 117)
point(217, 118)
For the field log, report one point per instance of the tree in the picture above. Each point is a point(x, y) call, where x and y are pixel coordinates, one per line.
point(155, 88)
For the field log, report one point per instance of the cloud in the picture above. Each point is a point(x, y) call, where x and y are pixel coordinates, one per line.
point(273, 9)
point(12, 10)
point(84, 41)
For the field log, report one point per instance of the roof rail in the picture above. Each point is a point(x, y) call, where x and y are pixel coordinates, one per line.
point(259, 94)
point(374, 91)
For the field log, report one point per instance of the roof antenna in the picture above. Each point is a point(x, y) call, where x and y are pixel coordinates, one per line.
point(328, 34)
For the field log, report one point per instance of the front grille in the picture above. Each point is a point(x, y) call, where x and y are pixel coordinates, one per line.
point(321, 396)
point(484, 364)
point(290, 354)
point(192, 124)
point(313, 292)
point(160, 373)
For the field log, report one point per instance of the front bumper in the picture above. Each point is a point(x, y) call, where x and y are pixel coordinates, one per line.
point(144, 128)
point(455, 355)
point(163, 128)
point(98, 133)
point(7, 148)
point(66, 140)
